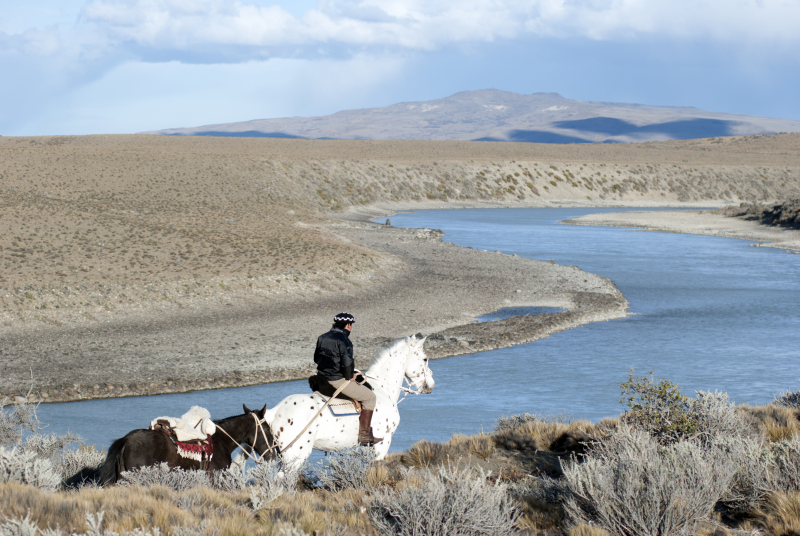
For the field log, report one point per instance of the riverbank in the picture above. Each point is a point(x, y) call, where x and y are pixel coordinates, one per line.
point(429, 286)
point(135, 265)
point(700, 222)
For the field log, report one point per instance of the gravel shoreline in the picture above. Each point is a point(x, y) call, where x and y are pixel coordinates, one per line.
point(698, 222)
point(438, 290)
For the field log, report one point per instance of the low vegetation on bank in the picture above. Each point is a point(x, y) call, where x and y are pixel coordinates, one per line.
point(785, 214)
point(671, 464)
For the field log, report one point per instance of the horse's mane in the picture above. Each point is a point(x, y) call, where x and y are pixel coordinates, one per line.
point(384, 353)
point(220, 421)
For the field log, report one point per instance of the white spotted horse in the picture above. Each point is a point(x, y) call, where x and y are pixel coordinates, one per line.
point(403, 359)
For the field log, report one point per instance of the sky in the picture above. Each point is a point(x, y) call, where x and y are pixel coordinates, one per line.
point(124, 66)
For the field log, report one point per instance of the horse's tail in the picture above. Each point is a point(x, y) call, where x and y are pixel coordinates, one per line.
point(112, 467)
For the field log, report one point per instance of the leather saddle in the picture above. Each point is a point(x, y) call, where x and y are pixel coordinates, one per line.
point(320, 385)
point(201, 450)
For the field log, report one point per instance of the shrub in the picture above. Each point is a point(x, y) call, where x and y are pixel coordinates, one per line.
point(270, 482)
point(788, 399)
point(659, 408)
point(24, 467)
point(764, 469)
point(445, 502)
point(70, 463)
point(14, 421)
point(348, 469)
point(631, 485)
point(173, 478)
point(234, 478)
point(713, 416)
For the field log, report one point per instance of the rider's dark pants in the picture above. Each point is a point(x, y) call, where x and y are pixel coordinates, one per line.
point(356, 392)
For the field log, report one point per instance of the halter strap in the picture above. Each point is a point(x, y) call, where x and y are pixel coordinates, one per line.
point(259, 422)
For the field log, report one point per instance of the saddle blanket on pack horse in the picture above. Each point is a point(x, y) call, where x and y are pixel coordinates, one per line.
point(191, 433)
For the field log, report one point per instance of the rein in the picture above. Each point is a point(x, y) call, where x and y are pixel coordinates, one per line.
point(325, 405)
point(406, 390)
point(259, 426)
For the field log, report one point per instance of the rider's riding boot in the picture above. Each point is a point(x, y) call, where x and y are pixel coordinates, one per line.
point(365, 436)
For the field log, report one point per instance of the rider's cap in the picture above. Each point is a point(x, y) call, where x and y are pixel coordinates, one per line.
point(347, 318)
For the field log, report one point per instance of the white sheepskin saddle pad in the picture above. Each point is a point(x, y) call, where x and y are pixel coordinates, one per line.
point(339, 407)
point(193, 425)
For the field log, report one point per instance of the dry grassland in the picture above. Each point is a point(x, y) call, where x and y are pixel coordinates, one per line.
point(93, 225)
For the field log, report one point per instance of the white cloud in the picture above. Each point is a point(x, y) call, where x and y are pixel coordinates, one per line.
point(416, 24)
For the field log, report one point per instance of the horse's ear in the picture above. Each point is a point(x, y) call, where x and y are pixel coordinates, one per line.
point(246, 409)
point(261, 412)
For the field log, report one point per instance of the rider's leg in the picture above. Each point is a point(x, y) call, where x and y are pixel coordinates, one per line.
point(367, 399)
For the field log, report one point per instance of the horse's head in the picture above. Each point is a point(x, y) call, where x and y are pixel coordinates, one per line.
point(417, 370)
point(262, 431)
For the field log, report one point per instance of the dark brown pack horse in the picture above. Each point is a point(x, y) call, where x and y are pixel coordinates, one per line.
point(151, 447)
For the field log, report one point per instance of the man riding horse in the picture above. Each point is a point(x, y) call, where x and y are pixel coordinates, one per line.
point(334, 359)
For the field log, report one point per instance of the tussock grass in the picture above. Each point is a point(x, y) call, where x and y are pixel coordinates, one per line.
point(777, 422)
point(217, 512)
point(584, 529)
point(781, 514)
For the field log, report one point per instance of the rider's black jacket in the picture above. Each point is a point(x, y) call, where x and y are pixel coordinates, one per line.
point(334, 355)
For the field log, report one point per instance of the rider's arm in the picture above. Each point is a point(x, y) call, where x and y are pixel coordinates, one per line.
point(346, 360)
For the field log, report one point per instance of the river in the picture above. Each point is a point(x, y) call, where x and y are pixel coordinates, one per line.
point(710, 313)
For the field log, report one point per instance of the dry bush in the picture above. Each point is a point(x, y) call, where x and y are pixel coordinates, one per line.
point(764, 468)
point(540, 498)
point(71, 463)
point(234, 478)
point(15, 421)
point(443, 503)
point(715, 417)
point(269, 482)
point(788, 399)
point(347, 469)
point(174, 478)
point(24, 467)
point(631, 485)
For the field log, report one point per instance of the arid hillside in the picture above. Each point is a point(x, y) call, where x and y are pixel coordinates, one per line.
point(97, 225)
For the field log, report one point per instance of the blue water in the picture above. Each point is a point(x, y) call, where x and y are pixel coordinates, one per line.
point(710, 314)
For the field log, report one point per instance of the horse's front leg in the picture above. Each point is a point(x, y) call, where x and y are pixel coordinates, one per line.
point(382, 448)
point(292, 460)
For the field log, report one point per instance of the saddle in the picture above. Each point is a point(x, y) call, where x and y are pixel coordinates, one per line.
point(320, 385)
point(191, 434)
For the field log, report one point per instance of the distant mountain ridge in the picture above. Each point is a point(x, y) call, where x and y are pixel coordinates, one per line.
point(495, 115)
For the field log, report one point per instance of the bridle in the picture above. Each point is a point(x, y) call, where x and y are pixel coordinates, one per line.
point(411, 389)
point(259, 427)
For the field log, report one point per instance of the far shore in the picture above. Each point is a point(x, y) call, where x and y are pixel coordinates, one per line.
point(698, 222)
